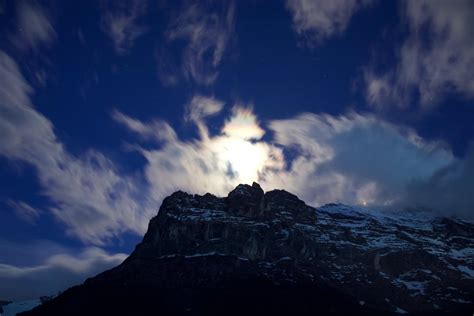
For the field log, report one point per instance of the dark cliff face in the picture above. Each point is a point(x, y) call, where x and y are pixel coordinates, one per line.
point(247, 223)
point(254, 252)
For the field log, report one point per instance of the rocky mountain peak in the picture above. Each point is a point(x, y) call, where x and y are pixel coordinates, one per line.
point(250, 191)
point(245, 200)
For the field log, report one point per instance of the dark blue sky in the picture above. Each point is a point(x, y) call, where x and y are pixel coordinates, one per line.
point(106, 107)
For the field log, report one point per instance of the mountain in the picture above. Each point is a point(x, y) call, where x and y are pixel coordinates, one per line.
point(13, 308)
point(269, 253)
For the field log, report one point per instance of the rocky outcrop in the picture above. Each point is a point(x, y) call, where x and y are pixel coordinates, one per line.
point(270, 252)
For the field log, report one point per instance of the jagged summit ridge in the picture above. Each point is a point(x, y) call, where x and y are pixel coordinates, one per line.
point(392, 262)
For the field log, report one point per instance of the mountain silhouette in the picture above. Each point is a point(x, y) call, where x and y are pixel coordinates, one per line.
point(257, 253)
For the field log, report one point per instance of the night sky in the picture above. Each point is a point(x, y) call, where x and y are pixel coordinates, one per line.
point(107, 107)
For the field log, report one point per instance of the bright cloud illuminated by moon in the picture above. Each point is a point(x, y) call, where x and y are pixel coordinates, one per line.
point(329, 162)
point(212, 163)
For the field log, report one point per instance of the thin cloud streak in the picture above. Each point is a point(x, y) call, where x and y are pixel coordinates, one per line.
point(119, 22)
point(207, 34)
point(24, 211)
point(34, 26)
point(318, 20)
point(157, 130)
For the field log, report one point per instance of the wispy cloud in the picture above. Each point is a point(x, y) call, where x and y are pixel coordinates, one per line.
point(436, 59)
point(207, 32)
point(34, 26)
point(157, 130)
point(201, 107)
point(24, 211)
point(352, 158)
point(318, 20)
point(448, 190)
point(120, 23)
point(212, 163)
point(55, 273)
point(89, 194)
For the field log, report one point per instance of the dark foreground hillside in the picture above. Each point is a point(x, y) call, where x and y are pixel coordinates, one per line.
point(236, 297)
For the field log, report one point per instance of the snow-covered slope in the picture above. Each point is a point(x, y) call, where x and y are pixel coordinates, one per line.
point(420, 261)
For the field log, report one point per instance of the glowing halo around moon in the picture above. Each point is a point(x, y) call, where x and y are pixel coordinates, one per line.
point(239, 150)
